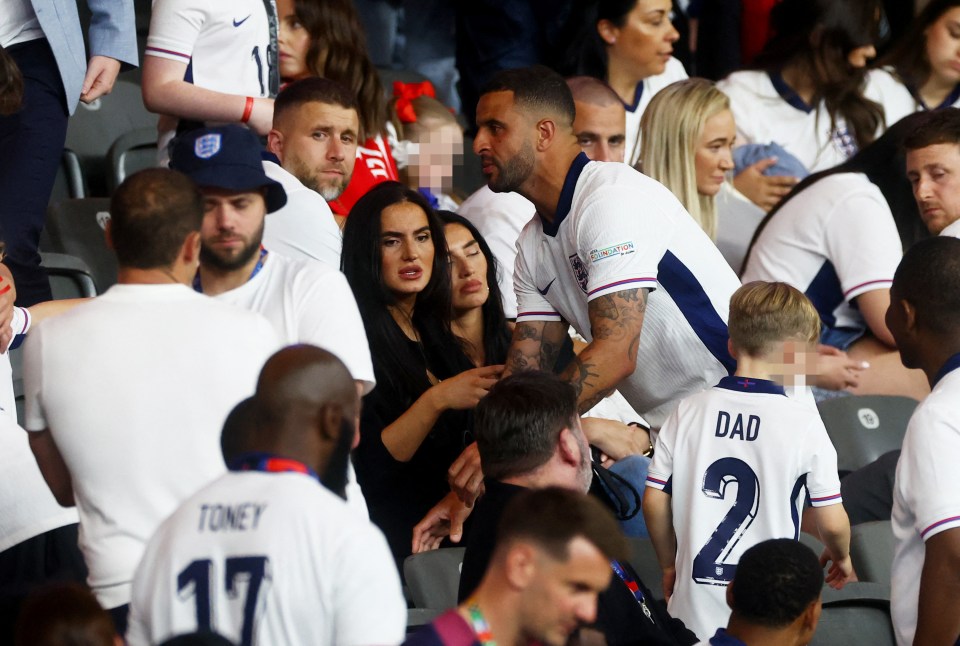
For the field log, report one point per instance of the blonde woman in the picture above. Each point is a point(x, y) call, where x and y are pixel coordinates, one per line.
point(687, 145)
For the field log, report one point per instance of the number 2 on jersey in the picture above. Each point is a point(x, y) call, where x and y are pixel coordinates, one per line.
point(197, 577)
point(708, 566)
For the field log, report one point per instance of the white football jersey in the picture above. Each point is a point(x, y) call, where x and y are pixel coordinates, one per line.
point(309, 302)
point(646, 90)
point(616, 229)
point(767, 110)
point(224, 43)
point(833, 241)
point(745, 432)
point(268, 559)
point(897, 99)
point(926, 493)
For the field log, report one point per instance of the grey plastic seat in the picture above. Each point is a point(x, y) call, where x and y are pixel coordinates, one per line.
point(76, 227)
point(862, 428)
point(69, 182)
point(871, 549)
point(858, 614)
point(434, 577)
point(132, 151)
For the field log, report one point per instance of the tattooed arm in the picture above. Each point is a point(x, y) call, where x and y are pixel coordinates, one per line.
point(535, 346)
point(615, 323)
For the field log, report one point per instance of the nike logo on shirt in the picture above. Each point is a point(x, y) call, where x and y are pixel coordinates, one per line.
point(543, 292)
point(237, 23)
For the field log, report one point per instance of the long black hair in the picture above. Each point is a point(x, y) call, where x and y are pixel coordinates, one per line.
point(398, 366)
point(496, 332)
point(586, 54)
point(884, 164)
point(817, 36)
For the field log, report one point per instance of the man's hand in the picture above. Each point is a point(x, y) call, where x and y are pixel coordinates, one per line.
point(445, 519)
point(466, 477)
point(840, 573)
point(765, 191)
point(101, 75)
point(615, 439)
point(835, 370)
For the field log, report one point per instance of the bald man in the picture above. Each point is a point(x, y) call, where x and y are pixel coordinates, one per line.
point(600, 123)
point(267, 554)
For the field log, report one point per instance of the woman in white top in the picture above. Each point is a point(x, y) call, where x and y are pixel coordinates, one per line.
point(628, 44)
point(807, 91)
point(838, 237)
point(922, 71)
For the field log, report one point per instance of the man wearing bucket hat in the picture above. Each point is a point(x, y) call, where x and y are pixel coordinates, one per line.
point(306, 301)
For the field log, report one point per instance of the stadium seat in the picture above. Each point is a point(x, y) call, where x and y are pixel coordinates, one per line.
point(858, 614)
point(132, 151)
point(643, 558)
point(871, 549)
point(94, 127)
point(862, 428)
point(75, 227)
point(434, 577)
point(417, 617)
point(812, 542)
point(69, 182)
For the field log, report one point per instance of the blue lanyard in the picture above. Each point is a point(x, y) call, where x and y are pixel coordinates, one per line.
point(633, 586)
point(256, 270)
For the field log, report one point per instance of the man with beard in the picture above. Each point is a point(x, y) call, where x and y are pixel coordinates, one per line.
point(314, 147)
point(265, 554)
point(609, 252)
point(529, 437)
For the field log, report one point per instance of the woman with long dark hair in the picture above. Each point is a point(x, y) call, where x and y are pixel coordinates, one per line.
point(415, 423)
point(806, 92)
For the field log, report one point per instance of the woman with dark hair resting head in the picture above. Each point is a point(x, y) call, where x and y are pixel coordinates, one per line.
point(416, 422)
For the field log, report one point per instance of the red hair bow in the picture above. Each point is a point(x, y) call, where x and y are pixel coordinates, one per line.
point(405, 93)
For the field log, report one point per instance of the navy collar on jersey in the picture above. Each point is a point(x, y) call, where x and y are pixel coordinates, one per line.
point(748, 385)
point(269, 463)
point(788, 94)
point(266, 155)
point(637, 95)
point(566, 196)
point(952, 364)
point(721, 638)
point(946, 103)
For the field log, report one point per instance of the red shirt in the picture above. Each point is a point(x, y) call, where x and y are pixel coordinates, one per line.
point(374, 165)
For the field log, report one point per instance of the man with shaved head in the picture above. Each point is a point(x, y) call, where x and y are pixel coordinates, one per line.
point(600, 123)
point(267, 554)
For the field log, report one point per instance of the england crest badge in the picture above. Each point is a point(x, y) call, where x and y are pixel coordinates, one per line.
point(207, 146)
point(579, 271)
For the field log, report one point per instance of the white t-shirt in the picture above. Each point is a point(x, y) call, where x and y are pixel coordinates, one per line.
point(223, 42)
point(897, 100)
point(749, 432)
point(926, 493)
point(833, 241)
point(616, 229)
point(304, 229)
point(270, 559)
point(18, 22)
point(737, 221)
point(134, 386)
point(646, 90)
point(308, 302)
point(499, 217)
point(952, 229)
point(765, 114)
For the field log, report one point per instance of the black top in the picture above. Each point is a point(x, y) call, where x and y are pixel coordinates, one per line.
point(619, 615)
point(399, 494)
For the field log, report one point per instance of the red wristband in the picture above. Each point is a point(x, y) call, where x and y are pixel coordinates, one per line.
point(247, 110)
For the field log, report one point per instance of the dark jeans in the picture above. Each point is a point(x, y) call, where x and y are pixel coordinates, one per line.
point(31, 145)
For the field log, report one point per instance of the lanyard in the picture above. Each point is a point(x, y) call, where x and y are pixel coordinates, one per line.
point(632, 585)
point(197, 287)
point(480, 625)
point(271, 464)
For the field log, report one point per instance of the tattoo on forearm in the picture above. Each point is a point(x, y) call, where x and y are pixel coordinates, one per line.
point(583, 376)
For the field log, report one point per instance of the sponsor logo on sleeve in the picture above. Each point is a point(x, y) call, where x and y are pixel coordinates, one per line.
point(621, 249)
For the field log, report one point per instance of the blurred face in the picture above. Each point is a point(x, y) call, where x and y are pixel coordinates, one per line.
point(317, 144)
point(645, 41)
point(232, 228)
point(563, 595)
point(293, 41)
point(503, 142)
point(943, 47)
point(601, 131)
point(406, 249)
point(714, 154)
point(438, 150)
point(934, 174)
point(468, 269)
point(859, 57)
